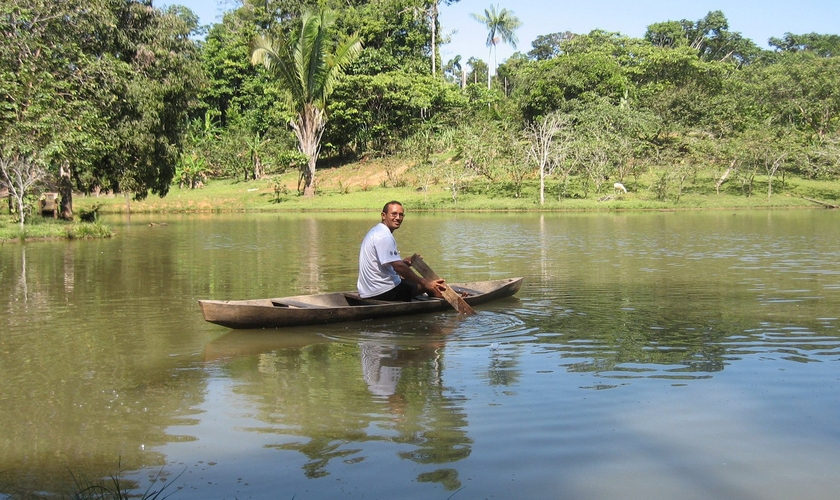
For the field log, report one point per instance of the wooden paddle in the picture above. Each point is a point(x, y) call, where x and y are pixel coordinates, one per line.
point(451, 296)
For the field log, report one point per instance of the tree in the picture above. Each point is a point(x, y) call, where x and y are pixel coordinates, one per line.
point(543, 148)
point(713, 41)
point(101, 90)
point(372, 113)
point(669, 34)
point(545, 86)
point(710, 37)
point(822, 45)
point(549, 46)
point(478, 69)
point(19, 174)
point(801, 90)
point(433, 23)
point(501, 26)
point(455, 73)
point(305, 66)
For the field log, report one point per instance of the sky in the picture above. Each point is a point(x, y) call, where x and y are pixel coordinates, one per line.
point(757, 20)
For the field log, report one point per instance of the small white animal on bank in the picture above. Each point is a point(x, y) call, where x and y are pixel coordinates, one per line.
point(619, 187)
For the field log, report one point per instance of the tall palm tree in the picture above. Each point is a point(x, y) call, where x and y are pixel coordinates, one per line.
point(309, 70)
point(501, 25)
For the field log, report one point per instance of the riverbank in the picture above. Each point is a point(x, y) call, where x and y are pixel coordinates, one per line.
point(365, 186)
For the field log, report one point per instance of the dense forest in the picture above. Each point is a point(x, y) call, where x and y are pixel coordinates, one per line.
point(123, 96)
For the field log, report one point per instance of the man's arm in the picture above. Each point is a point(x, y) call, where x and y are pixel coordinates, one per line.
point(432, 287)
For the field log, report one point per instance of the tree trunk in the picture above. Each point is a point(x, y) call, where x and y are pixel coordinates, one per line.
point(309, 127)
point(21, 211)
point(434, 17)
point(489, 57)
point(65, 192)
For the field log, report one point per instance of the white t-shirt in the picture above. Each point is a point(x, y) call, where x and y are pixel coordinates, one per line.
point(379, 249)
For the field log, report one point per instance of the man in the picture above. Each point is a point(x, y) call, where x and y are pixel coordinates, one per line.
point(383, 274)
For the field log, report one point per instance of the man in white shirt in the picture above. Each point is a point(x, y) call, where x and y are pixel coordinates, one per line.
point(383, 274)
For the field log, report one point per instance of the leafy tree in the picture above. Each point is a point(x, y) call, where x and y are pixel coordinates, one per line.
point(822, 45)
point(372, 113)
point(546, 86)
point(609, 138)
point(395, 35)
point(225, 62)
point(800, 90)
point(501, 27)
point(709, 36)
point(549, 46)
point(478, 70)
point(455, 73)
point(508, 72)
point(670, 34)
point(100, 89)
point(305, 65)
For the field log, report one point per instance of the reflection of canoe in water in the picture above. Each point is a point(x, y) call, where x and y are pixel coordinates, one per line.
point(340, 306)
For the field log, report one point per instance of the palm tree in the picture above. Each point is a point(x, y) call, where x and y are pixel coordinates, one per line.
point(307, 68)
point(501, 25)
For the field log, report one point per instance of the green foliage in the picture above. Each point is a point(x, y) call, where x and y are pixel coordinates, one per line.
point(373, 113)
point(43, 228)
point(308, 65)
point(800, 90)
point(107, 93)
point(103, 88)
point(395, 34)
point(546, 86)
point(714, 41)
point(821, 45)
point(192, 171)
point(549, 46)
point(478, 71)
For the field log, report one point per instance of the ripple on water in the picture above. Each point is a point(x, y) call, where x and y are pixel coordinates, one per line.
point(482, 328)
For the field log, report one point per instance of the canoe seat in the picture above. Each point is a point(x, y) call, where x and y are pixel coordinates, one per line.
point(296, 303)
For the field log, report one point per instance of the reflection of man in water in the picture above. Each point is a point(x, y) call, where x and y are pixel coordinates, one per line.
point(378, 370)
point(419, 409)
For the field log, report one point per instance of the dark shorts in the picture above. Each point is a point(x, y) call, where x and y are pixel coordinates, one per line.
point(403, 292)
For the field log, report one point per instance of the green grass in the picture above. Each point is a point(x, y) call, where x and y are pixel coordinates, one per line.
point(336, 194)
point(39, 228)
point(364, 187)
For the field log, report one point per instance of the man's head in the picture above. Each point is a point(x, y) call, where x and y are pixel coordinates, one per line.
point(392, 215)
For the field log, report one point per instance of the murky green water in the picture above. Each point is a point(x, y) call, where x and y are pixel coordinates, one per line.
point(655, 355)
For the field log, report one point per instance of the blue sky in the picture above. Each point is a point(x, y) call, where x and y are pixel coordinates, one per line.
point(755, 19)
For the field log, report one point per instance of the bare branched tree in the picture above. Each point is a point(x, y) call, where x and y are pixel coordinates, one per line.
point(546, 145)
point(20, 174)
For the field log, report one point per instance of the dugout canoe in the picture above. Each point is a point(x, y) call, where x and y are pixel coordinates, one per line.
point(335, 307)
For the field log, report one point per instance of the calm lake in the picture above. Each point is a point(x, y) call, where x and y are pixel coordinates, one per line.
point(647, 355)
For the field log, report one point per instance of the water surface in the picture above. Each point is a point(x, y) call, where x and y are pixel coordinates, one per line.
point(650, 355)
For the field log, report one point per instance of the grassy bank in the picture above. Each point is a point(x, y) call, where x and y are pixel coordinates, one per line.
point(40, 228)
point(366, 186)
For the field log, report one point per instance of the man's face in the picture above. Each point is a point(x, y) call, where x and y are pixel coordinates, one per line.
point(393, 217)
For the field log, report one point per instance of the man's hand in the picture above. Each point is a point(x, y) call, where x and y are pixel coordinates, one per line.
point(434, 288)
